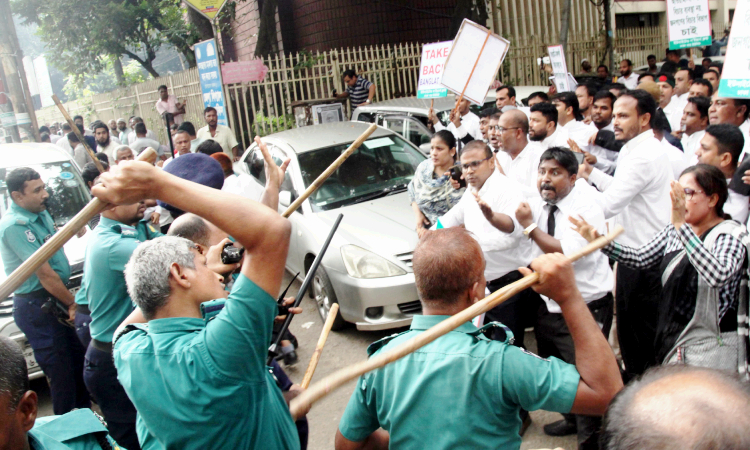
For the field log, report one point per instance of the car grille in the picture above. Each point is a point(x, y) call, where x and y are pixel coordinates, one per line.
point(405, 258)
point(414, 307)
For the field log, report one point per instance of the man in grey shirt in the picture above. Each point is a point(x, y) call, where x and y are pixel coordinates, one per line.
point(142, 142)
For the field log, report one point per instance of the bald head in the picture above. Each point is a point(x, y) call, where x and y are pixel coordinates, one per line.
point(196, 229)
point(516, 118)
point(680, 407)
point(446, 263)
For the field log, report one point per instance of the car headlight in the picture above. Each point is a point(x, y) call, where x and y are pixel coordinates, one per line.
point(361, 263)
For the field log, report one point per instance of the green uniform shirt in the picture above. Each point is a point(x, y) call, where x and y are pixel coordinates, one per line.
point(198, 385)
point(72, 431)
point(21, 234)
point(103, 285)
point(461, 391)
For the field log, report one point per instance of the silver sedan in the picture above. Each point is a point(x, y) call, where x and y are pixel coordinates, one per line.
point(367, 268)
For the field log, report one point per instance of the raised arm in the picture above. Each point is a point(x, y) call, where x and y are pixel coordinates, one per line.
point(274, 177)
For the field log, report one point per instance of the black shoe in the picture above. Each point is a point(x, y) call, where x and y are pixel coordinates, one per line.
point(291, 358)
point(525, 424)
point(561, 428)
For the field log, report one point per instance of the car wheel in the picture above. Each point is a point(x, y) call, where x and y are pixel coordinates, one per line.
point(325, 297)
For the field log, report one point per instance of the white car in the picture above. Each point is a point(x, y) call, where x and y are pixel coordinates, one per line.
point(68, 195)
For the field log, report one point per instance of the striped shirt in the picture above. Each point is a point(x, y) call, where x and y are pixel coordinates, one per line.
point(359, 92)
point(720, 267)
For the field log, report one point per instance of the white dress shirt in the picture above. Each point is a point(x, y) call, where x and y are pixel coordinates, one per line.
point(690, 144)
point(674, 111)
point(524, 168)
point(580, 132)
point(637, 196)
point(109, 150)
point(469, 124)
point(736, 205)
point(676, 158)
point(630, 82)
point(64, 144)
point(53, 138)
point(593, 275)
point(557, 139)
point(503, 252)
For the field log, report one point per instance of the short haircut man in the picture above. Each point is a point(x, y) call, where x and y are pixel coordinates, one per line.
point(571, 101)
point(209, 147)
point(701, 104)
point(187, 126)
point(548, 110)
point(646, 76)
point(123, 153)
point(705, 87)
point(505, 96)
point(537, 97)
point(678, 407)
point(729, 139)
point(617, 89)
point(140, 129)
point(209, 109)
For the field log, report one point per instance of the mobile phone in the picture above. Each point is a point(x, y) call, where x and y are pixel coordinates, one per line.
point(579, 157)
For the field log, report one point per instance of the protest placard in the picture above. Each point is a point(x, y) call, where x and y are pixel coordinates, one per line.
point(431, 70)
point(473, 61)
point(689, 23)
point(735, 76)
point(559, 67)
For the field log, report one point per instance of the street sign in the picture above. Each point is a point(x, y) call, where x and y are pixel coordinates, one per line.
point(473, 61)
point(208, 8)
point(210, 78)
point(689, 23)
point(559, 67)
point(735, 77)
point(431, 70)
point(243, 71)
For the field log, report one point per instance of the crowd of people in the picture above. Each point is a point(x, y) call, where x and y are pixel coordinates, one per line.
point(171, 340)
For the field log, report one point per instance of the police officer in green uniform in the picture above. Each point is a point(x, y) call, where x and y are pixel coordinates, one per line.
point(20, 429)
point(463, 390)
point(25, 226)
point(200, 385)
point(103, 288)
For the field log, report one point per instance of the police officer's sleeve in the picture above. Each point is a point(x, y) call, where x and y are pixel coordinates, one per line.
point(537, 383)
point(237, 340)
point(21, 241)
point(360, 417)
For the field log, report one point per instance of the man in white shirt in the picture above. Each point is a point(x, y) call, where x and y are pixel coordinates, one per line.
point(519, 159)
point(104, 142)
point(505, 96)
point(627, 77)
point(721, 147)
point(63, 141)
point(168, 103)
point(123, 131)
point(552, 232)
point(543, 127)
point(700, 88)
point(484, 122)
point(668, 102)
point(501, 238)
point(694, 122)
point(604, 159)
point(637, 197)
point(78, 120)
point(464, 124)
point(585, 94)
point(149, 134)
point(219, 133)
point(123, 153)
point(493, 137)
point(733, 111)
point(569, 118)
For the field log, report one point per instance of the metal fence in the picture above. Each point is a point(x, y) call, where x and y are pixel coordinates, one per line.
point(266, 106)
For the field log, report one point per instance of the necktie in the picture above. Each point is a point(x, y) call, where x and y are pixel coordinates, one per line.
point(551, 220)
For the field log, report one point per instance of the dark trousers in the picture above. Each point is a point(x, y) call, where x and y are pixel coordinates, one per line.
point(516, 313)
point(637, 293)
point(553, 339)
point(100, 376)
point(82, 322)
point(285, 383)
point(57, 350)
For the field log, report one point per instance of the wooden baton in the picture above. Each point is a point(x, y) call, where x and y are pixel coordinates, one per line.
point(45, 252)
point(325, 386)
point(319, 348)
point(78, 133)
point(327, 173)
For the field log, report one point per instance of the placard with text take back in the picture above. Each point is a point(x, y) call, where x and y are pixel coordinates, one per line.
point(689, 23)
point(431, 70)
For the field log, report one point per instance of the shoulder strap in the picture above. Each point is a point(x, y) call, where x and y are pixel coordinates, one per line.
point(128, 328)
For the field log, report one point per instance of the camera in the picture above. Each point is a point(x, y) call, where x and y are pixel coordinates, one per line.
point(231, 254)
point(456, 175)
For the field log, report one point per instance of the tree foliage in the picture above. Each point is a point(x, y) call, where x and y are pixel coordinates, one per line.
point(83, 35)
point(80, 86)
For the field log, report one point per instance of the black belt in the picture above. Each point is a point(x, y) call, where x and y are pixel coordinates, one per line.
point(600, 302)
point(83, 309)
point(40, 293)
point(102, 346)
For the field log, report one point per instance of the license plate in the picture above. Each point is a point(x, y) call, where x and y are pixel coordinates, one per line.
point(28, 354)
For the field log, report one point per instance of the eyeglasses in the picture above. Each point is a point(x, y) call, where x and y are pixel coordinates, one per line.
point(690, 192)
point(474, 164)
point(500, 129)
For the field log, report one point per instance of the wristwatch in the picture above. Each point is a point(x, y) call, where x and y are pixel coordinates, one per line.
point(529, 229)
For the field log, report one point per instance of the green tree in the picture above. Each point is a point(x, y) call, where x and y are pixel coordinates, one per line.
point(79, 86)
point(83, 35)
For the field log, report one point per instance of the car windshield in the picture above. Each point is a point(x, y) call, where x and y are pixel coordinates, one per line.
point(380, 166)
point(67, 192)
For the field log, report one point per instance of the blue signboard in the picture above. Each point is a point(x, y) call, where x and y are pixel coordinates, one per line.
point(209, 70)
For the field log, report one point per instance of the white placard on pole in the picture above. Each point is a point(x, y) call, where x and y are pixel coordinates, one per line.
point(474, 61)
point(689, 23)
point(559, 67)
point(735, 76)
point(431, 70)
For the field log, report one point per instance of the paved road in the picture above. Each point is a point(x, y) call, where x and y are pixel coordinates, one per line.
point(343, 349)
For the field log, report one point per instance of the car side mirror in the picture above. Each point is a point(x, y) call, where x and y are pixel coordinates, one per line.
point(285, 198)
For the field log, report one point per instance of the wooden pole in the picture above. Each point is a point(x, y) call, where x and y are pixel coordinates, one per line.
point(327, 173)
point(325, 386)
point(78, 133)
point(319, 348)
point(59, 239)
